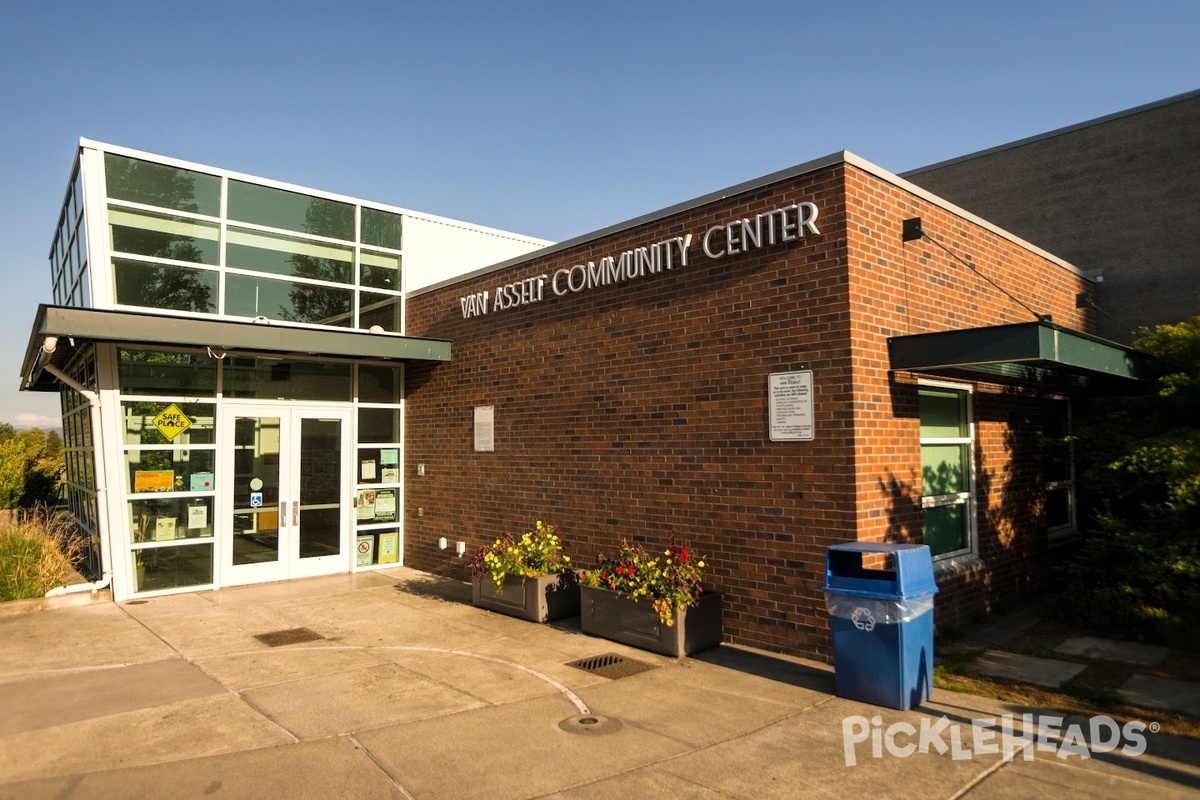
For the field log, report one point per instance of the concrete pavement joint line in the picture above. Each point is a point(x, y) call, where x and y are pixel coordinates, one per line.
point(987, 773)
point(235, 694)
point(382, 769)
point(570, 695)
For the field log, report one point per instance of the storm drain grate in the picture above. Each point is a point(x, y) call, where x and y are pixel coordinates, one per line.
point(610, 665)
point(289, 636)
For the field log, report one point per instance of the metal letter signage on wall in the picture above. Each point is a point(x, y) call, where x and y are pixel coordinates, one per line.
point(485, 429)
point(171, 422)
point(790, 398)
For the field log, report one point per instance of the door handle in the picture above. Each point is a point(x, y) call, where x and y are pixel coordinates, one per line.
point(283, 513)
point(295, 513)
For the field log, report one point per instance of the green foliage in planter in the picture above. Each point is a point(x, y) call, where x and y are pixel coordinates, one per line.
point(670, 581)
point(1136, 571)
point(536, 552)
point(37, 554)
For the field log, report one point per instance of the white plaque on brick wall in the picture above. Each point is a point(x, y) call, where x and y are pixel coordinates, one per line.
point(790, 398)
point(485, 429)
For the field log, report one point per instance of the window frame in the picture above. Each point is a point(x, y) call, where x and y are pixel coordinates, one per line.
point(968, 499)
point(1059, 534)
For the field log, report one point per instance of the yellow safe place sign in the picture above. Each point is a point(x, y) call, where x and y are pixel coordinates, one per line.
point(171, 422)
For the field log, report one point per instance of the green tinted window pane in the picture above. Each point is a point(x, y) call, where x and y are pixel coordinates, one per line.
point(943, 469)
point(162, 186)
point(283, 255)
point(381, 228)
point(182, 470)
point(138, 423)
point(163, 236)
point(270, 379)
point(162, 286)
point(248, 296)
point(946, 528)
point(379, 270)
point(378, 384)
point(156, 568)
point(943, 414)
point(151, 372)
point(384, 310)
point(378, 425)
point(291, 211)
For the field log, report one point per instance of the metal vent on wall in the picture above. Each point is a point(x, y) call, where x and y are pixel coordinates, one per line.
point(610, 665)
point(289, 636)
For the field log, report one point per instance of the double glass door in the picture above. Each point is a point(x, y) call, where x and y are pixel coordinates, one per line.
point(285, 506)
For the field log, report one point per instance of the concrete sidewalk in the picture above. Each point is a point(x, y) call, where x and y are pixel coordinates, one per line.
point(409, 692)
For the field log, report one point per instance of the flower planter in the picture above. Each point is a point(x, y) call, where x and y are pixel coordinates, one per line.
point(613, 615)
point(540, 599)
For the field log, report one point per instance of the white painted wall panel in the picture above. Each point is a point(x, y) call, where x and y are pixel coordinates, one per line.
point(436, 249)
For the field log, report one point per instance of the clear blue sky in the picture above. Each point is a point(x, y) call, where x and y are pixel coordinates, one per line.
point(551, 119)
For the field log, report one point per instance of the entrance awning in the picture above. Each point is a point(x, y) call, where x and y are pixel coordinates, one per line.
point(1025, 351)
point(85, 325)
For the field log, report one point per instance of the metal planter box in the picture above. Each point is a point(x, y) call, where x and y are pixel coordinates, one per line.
point(540, 599)
point(613, 615)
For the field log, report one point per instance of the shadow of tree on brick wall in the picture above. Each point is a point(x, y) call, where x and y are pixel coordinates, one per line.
point(1008, 461)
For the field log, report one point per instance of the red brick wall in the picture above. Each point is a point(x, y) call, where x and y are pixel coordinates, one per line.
point(640, 410)
point(898, 288)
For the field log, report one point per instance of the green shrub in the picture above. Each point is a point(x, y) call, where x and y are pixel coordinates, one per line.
point(1136, 573)
point(37, 554)
point(1141, 583)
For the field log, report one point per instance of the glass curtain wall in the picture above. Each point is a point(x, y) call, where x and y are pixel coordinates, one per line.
point(170, 477)
point(79, 454)
point(68, 253)
point(201, 243)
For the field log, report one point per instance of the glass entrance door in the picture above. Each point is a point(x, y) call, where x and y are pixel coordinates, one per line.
point(285, 505)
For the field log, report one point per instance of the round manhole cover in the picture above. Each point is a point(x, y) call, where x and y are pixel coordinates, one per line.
point(592, 724)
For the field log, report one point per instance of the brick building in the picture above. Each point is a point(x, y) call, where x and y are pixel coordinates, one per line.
point(1136, 227)
point(261, 382)
point(631, 380)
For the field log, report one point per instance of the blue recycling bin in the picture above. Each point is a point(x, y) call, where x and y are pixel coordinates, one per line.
point(880, 601)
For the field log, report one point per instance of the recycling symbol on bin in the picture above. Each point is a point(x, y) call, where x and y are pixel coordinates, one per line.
point(863, 620)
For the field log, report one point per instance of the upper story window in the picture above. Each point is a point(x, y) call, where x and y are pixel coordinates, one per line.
point(291, 211)
point(162, 186)
point(190, 241)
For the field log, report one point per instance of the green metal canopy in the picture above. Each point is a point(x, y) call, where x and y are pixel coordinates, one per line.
point(1026, 350)
point(83, 325)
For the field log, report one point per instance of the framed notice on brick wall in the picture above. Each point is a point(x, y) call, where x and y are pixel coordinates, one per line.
point(485, 429)
point(790, 398)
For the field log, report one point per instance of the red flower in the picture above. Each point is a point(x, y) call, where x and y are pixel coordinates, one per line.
point(683, 555)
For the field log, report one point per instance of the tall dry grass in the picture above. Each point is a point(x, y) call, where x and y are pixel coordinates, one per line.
point(38, 552)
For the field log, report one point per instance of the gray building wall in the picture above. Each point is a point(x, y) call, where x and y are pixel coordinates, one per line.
point(1119, 194)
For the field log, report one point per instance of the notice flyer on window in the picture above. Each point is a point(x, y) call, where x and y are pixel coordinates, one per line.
point(153, 480)
point(368, 469)
point(389, 458)
point(197, 517)
point(390, 475)
point(366, 504)
point(385, 505)
point(164, 529)
point(389, 547)
point(365, 550)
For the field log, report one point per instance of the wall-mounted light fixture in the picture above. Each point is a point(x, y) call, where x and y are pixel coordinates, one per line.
point(912, 230)
point(442, 543)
